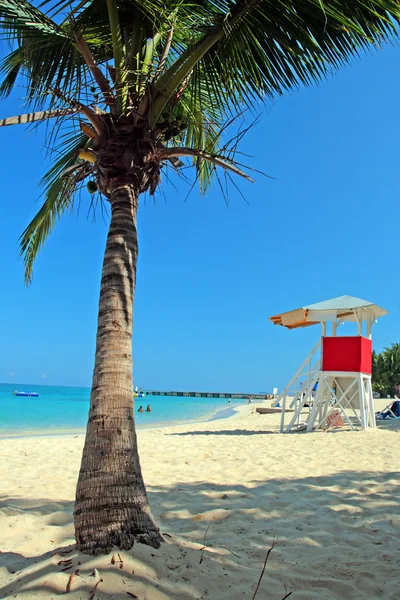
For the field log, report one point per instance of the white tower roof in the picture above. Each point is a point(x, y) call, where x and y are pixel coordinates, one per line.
point(344, 308)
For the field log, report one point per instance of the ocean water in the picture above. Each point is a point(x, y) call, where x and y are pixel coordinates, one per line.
point(66, 408)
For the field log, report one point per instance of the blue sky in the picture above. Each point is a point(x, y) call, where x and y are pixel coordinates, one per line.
point(209, 277)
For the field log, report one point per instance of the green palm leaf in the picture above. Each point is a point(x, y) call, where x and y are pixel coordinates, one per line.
point(59, 196)
point(263, 47)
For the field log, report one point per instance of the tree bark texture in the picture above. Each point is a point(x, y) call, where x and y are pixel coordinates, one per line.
point(111, 506)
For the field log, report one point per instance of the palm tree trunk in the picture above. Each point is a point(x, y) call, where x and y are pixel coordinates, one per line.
point(111, 506)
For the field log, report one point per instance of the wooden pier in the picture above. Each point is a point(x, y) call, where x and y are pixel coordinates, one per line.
point(231, 396)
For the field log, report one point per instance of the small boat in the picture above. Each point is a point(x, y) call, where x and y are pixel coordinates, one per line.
point(138, 393)
point(27, 394)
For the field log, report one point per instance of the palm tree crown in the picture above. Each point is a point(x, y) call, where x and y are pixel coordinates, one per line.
point(165, 76)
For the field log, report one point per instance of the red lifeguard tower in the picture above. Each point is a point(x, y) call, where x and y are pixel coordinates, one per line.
point(333, 385)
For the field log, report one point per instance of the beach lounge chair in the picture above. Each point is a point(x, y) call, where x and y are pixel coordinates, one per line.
point(334, 419)
point(392, 411)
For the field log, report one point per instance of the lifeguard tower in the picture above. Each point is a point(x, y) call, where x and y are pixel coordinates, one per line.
point(333, 385)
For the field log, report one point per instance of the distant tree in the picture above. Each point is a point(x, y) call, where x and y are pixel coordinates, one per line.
point(378, 384)
point(386, 371)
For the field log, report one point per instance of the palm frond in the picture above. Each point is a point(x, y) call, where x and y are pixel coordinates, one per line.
point(202, 133)
point(219, 161)
point(10, 68)
point(41, 115)
point(59, 195)
point(259, 48)
point(46, 53)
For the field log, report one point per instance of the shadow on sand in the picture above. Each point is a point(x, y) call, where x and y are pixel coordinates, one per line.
point(227, 432)
point(217, 537)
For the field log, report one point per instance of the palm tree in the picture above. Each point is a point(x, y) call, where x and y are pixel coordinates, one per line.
point(131, 87)
point(386, 371)
point(391, 360)
point(379, 383)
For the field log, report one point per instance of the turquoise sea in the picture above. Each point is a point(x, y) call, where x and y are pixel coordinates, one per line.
point(66, 408)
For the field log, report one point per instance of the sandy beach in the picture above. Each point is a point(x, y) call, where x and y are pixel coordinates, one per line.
point(222, 492)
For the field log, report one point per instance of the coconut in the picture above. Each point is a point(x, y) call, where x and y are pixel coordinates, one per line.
point(92, 187)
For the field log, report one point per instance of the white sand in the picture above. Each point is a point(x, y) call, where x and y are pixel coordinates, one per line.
point(330, 501)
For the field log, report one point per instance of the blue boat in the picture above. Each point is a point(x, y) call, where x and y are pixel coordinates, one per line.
point(27, 394)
